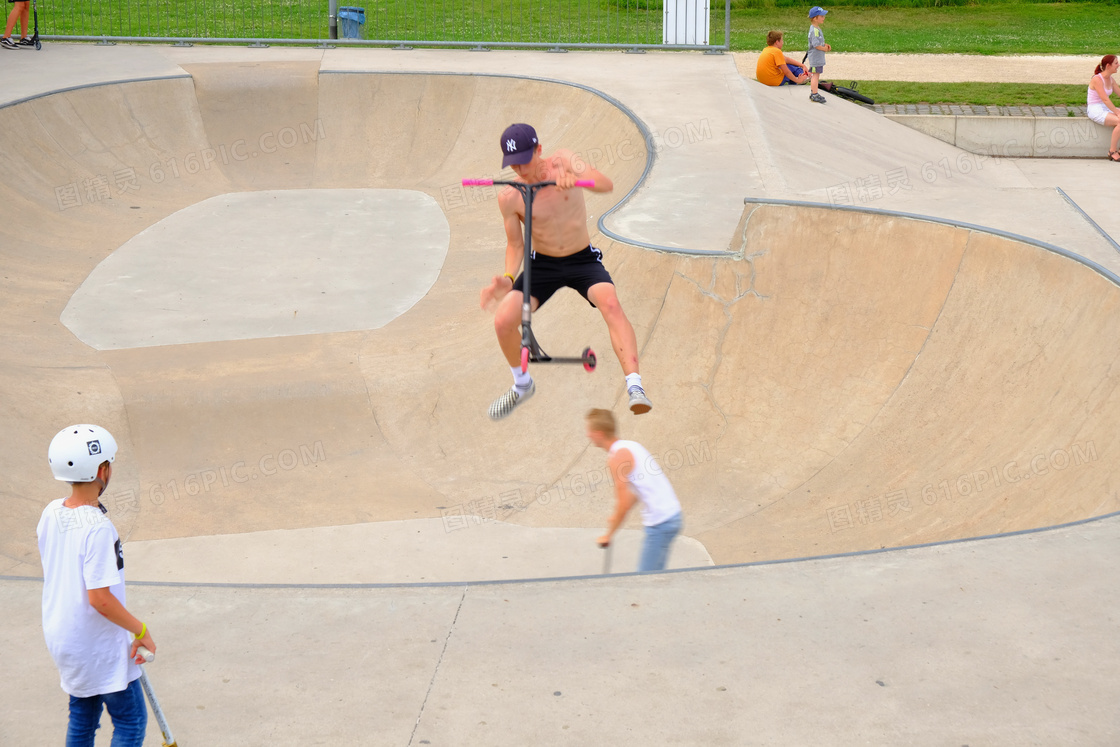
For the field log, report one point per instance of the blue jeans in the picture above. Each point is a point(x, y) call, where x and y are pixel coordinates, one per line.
point(126, 708)
point(655, 550)
point(797, 70)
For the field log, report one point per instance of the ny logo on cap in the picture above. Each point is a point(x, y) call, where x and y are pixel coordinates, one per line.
point(511, 145)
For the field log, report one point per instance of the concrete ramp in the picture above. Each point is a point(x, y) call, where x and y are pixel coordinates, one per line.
point(842, 381)
point(228, 435)
point(846, 382)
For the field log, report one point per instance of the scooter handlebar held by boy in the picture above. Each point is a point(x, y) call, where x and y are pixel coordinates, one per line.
point(489, 182)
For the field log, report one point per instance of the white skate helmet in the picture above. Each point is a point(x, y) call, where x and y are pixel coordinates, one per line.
point(76, 452)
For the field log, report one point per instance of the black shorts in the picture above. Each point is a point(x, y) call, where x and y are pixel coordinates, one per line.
point(578, 271)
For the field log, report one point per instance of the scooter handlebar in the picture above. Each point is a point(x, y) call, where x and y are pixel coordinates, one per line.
point(490, 182)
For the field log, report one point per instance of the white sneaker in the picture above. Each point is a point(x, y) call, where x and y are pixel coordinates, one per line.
point(639, 402)
point(505, 404)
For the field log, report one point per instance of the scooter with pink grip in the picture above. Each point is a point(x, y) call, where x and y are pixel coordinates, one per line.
point(530, 349)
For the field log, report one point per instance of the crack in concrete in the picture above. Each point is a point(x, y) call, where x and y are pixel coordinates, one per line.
point(740, 294)
point(435, 673)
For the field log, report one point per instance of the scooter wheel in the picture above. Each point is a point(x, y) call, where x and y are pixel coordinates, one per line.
point(38, 45)
point(524, 360)
point(589, 360)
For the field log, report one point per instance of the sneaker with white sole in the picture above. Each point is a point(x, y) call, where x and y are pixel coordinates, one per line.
point(818, 98)
point(7, 43)
point(26, 42)
point(639, 402)
point(505, 404)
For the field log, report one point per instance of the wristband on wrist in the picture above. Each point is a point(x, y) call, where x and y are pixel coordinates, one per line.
point(143, 631)
point(507, 275)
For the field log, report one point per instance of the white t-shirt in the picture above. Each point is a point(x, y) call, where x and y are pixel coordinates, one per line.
point(658, 499)
point(81, 550)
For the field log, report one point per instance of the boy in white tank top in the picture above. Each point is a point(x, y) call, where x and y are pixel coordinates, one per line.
point(638, 478)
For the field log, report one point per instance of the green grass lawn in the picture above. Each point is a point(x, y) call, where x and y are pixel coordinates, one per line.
point(982, 94)
point(986, 27)
point(978, 27)
point(1003, 28)
point(509, 21)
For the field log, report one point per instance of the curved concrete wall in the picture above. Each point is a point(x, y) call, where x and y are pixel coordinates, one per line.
point(816, 396)
point(200, 418)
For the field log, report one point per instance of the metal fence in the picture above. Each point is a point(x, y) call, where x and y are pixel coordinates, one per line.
point(483, 24)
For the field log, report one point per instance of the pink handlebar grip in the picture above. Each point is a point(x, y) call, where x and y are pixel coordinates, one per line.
point(585, 183)
point(477, 182)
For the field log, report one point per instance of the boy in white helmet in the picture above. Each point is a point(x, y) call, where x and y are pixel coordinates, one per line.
point(90, 634)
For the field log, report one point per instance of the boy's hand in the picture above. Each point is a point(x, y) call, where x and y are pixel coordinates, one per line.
point(146, 642)
point(566, 181)
point(828, 47)
point(495, 292)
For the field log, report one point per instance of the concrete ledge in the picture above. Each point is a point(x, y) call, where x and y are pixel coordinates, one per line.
point(1023, 137)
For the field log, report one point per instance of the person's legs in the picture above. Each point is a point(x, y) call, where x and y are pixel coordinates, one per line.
point(1113, 121)
point(797, 71)
point(507, 325)
point(623, 339)
point(130, 715)
point(655, 549)
point(85, 717)
point(814, 80)
point(12, 18)
point(24, 17)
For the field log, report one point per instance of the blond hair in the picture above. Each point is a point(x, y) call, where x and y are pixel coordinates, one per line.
point(602, 421)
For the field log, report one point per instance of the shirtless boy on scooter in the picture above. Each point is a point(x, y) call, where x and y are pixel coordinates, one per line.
point(562, 258)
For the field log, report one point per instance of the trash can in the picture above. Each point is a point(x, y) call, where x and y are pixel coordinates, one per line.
point(351, 20)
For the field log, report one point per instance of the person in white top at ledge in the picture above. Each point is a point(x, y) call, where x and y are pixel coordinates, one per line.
point(638, 478)
point(1099, 104)
point(90, 634)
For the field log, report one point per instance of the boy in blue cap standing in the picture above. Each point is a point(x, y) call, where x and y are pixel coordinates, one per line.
point(817, 48)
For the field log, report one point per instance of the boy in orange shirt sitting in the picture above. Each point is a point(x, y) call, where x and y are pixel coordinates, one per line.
point(774, 68)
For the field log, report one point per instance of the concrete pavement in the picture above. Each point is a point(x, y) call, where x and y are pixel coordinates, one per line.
point(842, 382)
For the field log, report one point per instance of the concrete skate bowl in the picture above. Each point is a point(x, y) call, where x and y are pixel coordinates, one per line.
point(195, 383)
point(849, 382)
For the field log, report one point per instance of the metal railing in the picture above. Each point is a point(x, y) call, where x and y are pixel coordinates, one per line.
point(479, 24)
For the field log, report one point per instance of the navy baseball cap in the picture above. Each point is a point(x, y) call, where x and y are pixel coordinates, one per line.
point(518, 143)
point(817, 10)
